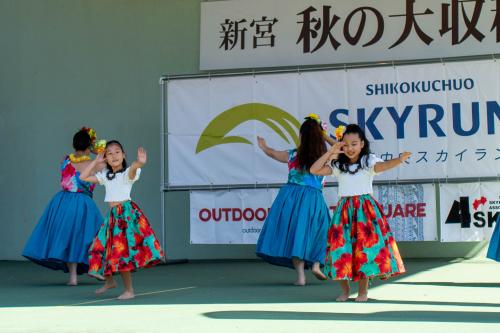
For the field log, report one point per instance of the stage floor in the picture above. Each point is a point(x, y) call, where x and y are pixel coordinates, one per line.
point(434, 296)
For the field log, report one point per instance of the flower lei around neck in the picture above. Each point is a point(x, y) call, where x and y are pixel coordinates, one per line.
point(78, 159)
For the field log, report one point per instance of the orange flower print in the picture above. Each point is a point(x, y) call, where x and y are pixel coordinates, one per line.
point(139, 240)
point(355, 202)
point(97, 246)
point(120, 246)
point(369, 210)
point(144, 227)
point(95, 262)
point(336, 237)
point(343, 267)
point(344, 218)
point(397, 256)
point(384, 226)
point(157, 245)
point(359, 259)
point(383, 261)
point(144, 256)
point(367, 237)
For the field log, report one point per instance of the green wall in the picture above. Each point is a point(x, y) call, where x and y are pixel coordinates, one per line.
point(69, 63)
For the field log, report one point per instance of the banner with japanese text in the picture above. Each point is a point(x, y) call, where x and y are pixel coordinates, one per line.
point(237, 216)
point(469, 211)
point(271, 33)
point(447, 115)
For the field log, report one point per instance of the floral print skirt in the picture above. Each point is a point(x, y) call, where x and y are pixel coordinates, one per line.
point(125, 242)
point(360, 244)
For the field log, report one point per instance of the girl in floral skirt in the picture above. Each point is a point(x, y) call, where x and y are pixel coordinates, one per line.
point(125, 242)
point(360, 244)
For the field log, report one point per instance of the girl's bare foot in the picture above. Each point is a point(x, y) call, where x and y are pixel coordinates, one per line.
point(127, 295)
point(299, 269)
point(318, 273)
point(363, 291)
point(107, 285)
point(73, 280)
point(342, 298)
point(300, 282)
point(346, 290)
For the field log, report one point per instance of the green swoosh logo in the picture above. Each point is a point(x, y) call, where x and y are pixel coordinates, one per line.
point(216, 131)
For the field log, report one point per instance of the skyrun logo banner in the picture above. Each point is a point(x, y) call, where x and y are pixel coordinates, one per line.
point(447, 115)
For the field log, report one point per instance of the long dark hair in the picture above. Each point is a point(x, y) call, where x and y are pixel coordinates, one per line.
point(343, 163)
point(81, 140)
point(312, 143)
point(110, 174)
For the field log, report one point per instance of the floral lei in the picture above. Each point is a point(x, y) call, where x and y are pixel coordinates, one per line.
point(79, 159)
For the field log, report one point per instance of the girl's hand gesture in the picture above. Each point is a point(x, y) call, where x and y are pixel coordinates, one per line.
point(141, 156)
point(261, 142)
point(404, 156)
point(100, 158)
point(336, 148)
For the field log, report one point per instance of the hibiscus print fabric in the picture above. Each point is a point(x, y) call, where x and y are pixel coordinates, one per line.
point(360, 244)
point(125, 242)
point(70, 179)
point(302, 177)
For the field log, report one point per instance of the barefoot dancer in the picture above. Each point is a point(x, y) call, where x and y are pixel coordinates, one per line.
point(360, 244)
point(294, 233)
point(125, 242)
point(63, 234)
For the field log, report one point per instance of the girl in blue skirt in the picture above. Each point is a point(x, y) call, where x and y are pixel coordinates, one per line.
point(62, 237)
point(494, 248)
point(294, 233)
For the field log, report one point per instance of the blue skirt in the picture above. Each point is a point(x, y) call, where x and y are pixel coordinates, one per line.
point(295, 227)
point(64, 232)
point(494, 247)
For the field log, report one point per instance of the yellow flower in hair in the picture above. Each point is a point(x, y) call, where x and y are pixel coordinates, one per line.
point(314, 116)
point(339, 132)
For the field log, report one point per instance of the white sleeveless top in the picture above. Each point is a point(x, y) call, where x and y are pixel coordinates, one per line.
point(359, 183)
point(118, 189)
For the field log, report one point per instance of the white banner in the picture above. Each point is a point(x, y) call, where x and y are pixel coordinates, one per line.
point(237, 216)
point(469, 211)
point(229, 217)
point(265, 33)
point(447, 115)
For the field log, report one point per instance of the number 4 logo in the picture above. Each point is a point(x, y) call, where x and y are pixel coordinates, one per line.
point(460, 213)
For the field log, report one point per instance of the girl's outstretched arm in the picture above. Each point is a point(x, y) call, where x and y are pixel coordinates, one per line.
point(321, 167)
point(387, 165)
point(280, 156)
point(329, 140)
point(139, 163)
point(86, 174)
